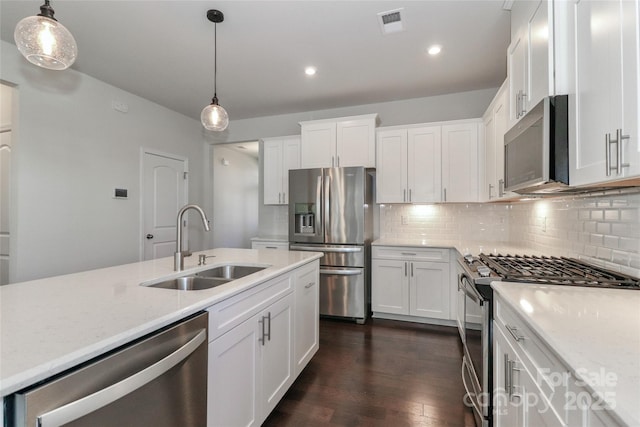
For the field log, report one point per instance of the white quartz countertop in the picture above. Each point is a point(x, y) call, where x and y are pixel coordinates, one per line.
point(50, 325)
point(595, 332)
point(464, 247)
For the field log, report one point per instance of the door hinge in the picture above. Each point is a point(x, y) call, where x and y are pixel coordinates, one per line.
point(184, 175)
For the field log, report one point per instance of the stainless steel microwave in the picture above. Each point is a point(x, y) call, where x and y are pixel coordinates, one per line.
point(536, 149)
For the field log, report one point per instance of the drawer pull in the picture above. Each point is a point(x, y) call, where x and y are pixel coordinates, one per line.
point(514, 333)
point(409, 254)
point(308, 285)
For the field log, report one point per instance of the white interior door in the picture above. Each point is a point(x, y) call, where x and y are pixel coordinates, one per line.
point(164, 185)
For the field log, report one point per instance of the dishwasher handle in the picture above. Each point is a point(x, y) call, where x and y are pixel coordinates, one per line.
point(91, 403)
point(342, 272)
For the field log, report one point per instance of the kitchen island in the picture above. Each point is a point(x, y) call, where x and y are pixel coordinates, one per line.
point(579, 346)
point(50, 325)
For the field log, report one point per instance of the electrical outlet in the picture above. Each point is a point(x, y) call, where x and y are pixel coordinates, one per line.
point(120, 106)
point(405, 220)
point(544, 224)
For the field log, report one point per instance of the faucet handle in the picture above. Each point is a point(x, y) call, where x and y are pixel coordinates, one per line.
point(202, 259)
point(186, 253)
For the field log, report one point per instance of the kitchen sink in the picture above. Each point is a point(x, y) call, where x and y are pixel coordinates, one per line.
point(229, 272)
point(191, 283)
point(207, 279)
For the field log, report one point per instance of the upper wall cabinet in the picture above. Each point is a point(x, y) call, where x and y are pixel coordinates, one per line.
point(603, 98)
point(279, 156)
point(342, 142)
point(408, 168)
point(428, 163)
point(495, 126)
point(460, 159)
point(530, 56)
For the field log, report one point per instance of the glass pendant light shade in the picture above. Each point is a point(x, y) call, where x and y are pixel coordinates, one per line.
point(45, 42)
point(214, 117)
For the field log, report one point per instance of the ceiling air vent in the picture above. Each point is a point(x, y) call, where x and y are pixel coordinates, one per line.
point(391, 21)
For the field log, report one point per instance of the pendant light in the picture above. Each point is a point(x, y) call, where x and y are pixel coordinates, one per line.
point(44, 41)
point(213, 116)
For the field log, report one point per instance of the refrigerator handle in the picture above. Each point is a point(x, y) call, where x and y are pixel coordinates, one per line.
point(319, 213)
point(327, 207)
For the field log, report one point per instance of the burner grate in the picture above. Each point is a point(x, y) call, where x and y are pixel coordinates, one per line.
point(556, 270)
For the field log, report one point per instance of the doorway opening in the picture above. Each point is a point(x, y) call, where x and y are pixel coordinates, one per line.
point(235, 194)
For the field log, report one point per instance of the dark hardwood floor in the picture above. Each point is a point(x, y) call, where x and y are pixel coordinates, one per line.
point(383, 373)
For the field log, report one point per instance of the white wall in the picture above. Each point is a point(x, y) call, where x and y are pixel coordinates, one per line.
point(71, 149)
point(465, 105)
point(235, 198)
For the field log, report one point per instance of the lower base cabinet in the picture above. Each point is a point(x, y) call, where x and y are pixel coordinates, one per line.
point(410, 281)
point(253, 364)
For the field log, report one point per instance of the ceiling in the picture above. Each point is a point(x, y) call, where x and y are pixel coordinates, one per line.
point(163, 50)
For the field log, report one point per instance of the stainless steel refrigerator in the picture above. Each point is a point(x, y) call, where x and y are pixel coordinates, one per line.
point(331, 211)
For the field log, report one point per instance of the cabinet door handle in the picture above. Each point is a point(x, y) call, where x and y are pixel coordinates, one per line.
point(269, 326)
point(308, 285)
point(490, 188)
point(411, 269)
point(444, 190)
point(338, 161)
point(404, 195)
point(262, 333)
point(514, 333)
point(607, 153)
point(405, 269)
point(507, 374)
point(333, 160)
point(409, 195)
point(523, 110)
point(501, 188)
point(620, 137)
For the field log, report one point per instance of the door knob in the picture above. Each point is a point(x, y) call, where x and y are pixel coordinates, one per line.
point(149, 236)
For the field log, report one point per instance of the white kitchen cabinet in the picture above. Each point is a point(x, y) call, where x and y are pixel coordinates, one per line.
point(410, 281)
point(256, 350)
point(495, 126)
point(508, 407)
point(530, 56)
point(408, 165)
point(270, 244)
point(307, 316)
point(280, 155)
point(389, 286)
point(460, 158)
point(251, 367)
point(341, 142)
point(603, 98)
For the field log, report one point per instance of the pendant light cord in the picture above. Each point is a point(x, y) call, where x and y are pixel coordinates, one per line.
point(215, 62)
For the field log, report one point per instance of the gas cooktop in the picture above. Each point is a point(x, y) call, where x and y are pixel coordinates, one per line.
point(554, 271)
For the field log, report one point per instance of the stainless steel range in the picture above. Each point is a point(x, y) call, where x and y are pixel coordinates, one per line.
point(475, 309)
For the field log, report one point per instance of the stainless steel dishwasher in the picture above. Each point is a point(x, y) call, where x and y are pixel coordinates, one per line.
point(158, 381)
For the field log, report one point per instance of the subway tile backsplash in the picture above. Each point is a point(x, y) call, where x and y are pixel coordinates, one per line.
point(604, 230)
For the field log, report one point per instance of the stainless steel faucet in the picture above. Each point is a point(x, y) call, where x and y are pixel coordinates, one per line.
point(178, 258)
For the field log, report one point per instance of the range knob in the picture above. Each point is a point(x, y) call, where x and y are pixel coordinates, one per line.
point(484, 271)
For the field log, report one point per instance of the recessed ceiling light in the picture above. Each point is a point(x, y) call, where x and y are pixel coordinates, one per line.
point(434, 50)
point(310, 71)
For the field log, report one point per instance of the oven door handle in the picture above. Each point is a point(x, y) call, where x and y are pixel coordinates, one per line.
point(471, 293)
point(466, 387)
